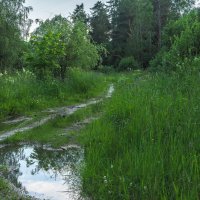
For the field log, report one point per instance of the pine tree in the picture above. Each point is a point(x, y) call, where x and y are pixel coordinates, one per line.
point(121, 14)
point(137, 27)
point(141, 33)
point(79, 14)
point(100, 25)
point(132, 30)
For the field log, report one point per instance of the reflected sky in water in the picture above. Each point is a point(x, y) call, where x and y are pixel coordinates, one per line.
point(44, 174)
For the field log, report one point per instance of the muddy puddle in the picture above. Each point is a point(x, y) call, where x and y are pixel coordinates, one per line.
point(44, 173)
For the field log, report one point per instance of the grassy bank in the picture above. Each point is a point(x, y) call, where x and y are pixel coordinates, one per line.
point(146, 146)
point(22, 93)
point(8, 193)
point(7, 190)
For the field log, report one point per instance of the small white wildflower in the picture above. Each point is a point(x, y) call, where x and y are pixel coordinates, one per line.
point(145, 187)
point(105, 179)
point(111, 166)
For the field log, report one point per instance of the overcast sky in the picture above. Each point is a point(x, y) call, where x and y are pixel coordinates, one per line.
point(43, 9)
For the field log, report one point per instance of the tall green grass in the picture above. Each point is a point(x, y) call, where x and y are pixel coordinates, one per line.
point(22, 92)
point(147, 145)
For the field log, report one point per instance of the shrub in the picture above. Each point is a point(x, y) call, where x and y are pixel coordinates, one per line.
point(128, 63)
point(184, 44)
point(60, 46)
point(106, 69)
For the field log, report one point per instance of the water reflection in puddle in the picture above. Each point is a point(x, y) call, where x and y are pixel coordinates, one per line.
point(42, 173)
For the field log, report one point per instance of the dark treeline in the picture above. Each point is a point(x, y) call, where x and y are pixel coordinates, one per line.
point(133, 30)
point(121, 34)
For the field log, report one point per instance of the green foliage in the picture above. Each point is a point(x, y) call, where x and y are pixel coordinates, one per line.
point(58, 45)
point(175, 28)
point(85, 54)
point(137, 27)
point(140, 40)
point(48, 48)
point(128, 64)
point(10, 45)
point(146, 146)
point(13, 17)
point(183, 44)
point(79, 14)
point(166, 10)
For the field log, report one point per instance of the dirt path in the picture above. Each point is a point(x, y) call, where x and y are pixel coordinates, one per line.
point(53, 113)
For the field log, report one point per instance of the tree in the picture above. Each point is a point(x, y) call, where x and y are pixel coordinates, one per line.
point(166, 10)
point(82, 52)
point(79, 14)
point(180, 42)
point(141, 33)
point(121, 13)
point(58, 45)
point(13, 17)
point(137, 26)
point(132, 30)
point(100, 25)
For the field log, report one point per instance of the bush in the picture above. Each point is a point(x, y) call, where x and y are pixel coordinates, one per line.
point(106, 69)
point(165, 61)
point(184, 44)
point(60, 46)
point(128, 64)
point(157, 63)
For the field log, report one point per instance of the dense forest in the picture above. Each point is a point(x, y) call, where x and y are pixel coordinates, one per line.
point(122, 35)
point(145, 144)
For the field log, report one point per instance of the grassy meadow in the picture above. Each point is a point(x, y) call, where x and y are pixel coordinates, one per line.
point(146, 145)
